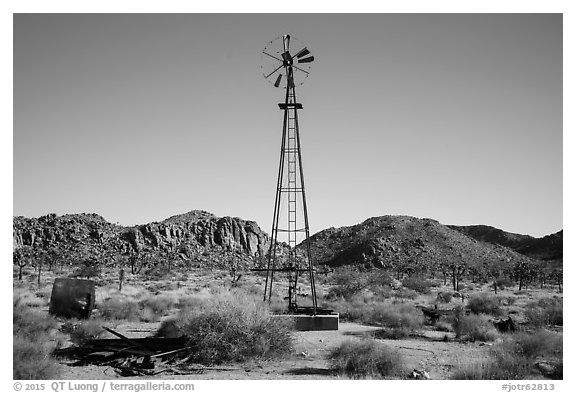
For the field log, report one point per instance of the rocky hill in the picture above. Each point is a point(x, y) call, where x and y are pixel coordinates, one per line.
point(405, 242)
point(399, 243)
point(549, 247)
point(193, 234)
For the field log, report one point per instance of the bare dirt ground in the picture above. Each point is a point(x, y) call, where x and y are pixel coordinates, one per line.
point(429, 353)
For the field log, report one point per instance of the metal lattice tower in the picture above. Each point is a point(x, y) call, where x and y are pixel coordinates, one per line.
point(290, 219)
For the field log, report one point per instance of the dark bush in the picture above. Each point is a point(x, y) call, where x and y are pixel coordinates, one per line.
point(86, 271)
point(503, 283)
point(444, 297)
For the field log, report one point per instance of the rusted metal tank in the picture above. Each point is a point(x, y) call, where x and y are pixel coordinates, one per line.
point(72, 298)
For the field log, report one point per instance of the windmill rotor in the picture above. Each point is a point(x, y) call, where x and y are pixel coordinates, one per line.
point(280, 67)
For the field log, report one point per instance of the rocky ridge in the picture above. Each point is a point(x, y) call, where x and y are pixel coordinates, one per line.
point(549, 247)
point(193, 233)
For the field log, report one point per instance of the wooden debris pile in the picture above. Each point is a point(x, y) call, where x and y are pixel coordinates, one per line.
point(136, 356)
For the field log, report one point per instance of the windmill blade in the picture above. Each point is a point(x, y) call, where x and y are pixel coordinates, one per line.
point(277, 83)
point(272, 56)
point(302, 52)
point(286, 43)
point(280, 66)
point(306, 60)
point(300, 69)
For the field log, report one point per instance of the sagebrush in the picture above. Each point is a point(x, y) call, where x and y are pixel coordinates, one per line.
point(366, 358)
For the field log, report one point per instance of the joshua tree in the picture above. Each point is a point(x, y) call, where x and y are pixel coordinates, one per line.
point(22, 257)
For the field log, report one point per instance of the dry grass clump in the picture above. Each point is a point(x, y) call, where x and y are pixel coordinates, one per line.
point(517, 357)
point(366, 358)
point(547, 311)
point(444, 297)
point(396, 316)
point(148, 309)
point(405, 293)
point(418, 284)
point(89, 329)
point(31, 345)
point(473, 327)
point(154, 307)
point(401, 318)
point(485, 304)
point(232, 327)
point(119, 309)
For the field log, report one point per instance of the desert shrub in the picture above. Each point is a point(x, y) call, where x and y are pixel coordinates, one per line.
point(117, 308)
point(405, 293)
point(507, 300)
point(514, 358)
point(32, 360)
point(232, 327)
point(539, 343)
point(485, 304)
point(503, 283)
point(31, 345)
point(545, 312)
point(366, 358)
point(87, 330)
point(395, 316)
point(26, 297)
point(353, 310)
point(417, 284)
point(392, 333)
point(382, 292)
point(159, 272)
point(443, 326)
point(473, 327)
point(348, 282)
point(379, 278)
point(86, 271)
point(153, 308)
point(31, 324)
point(190, 303)
point(444, 297)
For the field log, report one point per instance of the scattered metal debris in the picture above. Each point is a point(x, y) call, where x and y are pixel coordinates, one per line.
point(505, 325)
point(136, 356)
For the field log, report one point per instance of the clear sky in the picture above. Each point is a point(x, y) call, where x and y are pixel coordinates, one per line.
point(455, 117)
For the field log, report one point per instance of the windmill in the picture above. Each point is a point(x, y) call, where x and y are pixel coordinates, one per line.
point(286, 63)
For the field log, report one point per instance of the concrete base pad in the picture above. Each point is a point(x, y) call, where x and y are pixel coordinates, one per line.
point(313, 322)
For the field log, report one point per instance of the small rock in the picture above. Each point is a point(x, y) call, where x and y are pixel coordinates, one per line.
point(419, 374)
point(545, 368)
